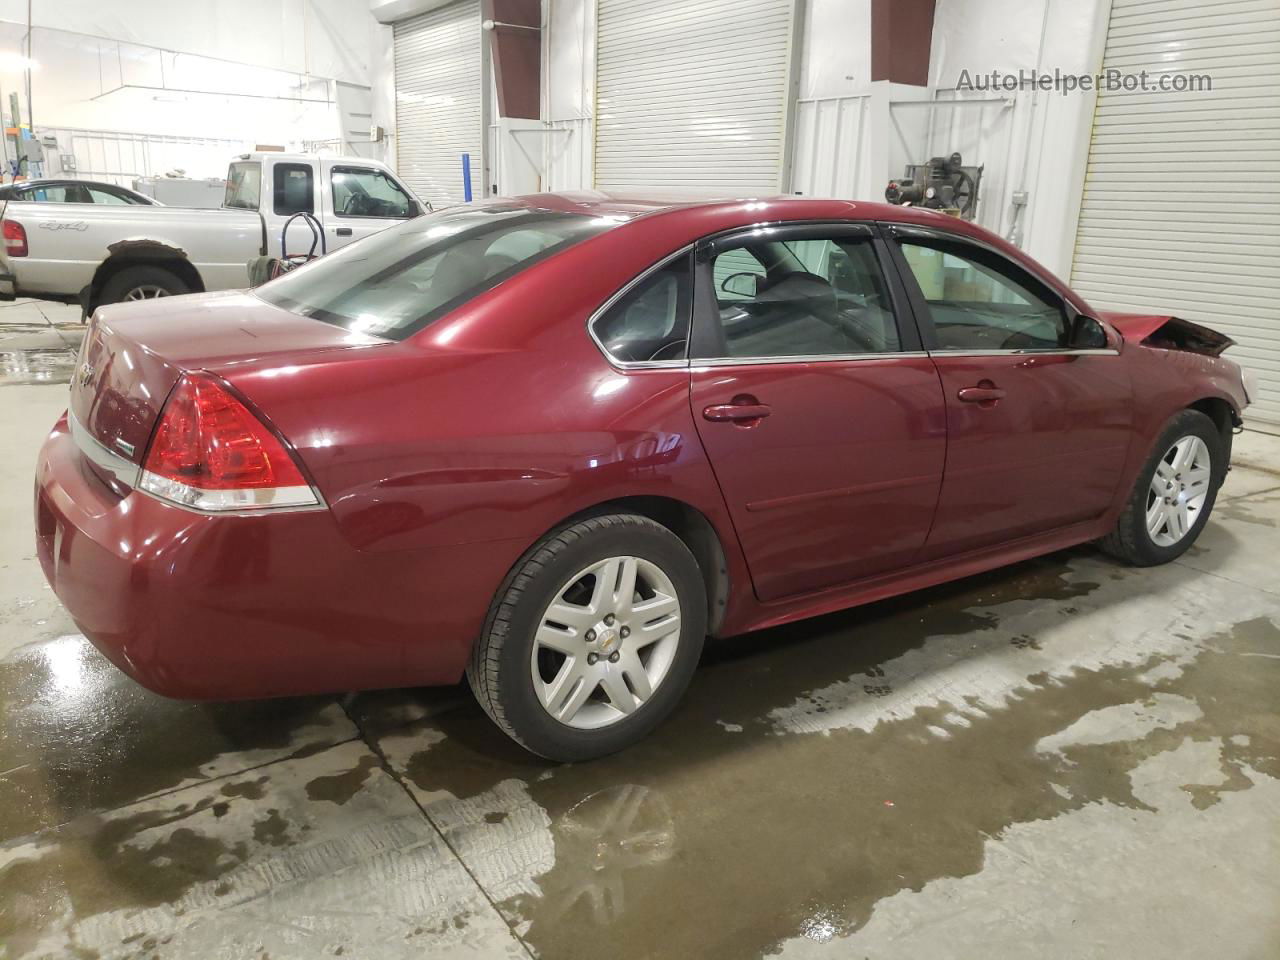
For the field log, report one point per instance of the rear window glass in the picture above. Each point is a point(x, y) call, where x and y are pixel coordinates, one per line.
point(399, 280)
point(243, 185)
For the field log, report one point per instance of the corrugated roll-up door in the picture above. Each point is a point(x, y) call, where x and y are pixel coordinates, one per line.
point(692, 94)
point(1181, 210)
point(438, 99)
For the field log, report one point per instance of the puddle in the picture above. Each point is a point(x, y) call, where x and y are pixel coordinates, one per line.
point(78, 735)
point(727, 834)
point(36, 365)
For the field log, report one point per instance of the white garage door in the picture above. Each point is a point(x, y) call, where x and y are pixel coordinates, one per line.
point(438, 97)
point(1181, 209)
point(692, 94)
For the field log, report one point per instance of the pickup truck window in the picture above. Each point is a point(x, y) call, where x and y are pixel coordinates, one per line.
point(244, 186)
point(399, 280)
point(361, 192)
point(293, 189)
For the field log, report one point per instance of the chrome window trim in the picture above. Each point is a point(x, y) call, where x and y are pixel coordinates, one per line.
point(1030, 352)
point(684, 251)
point(808, 358)
point(125, 471)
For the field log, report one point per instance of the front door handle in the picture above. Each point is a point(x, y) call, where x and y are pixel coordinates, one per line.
point(985, 393)
point(343, 231)
point(737, 412)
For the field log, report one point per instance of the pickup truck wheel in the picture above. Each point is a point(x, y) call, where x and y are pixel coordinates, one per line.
point(142, 283)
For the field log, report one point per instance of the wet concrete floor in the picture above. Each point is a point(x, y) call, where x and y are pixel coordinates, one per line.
point(1066, 758)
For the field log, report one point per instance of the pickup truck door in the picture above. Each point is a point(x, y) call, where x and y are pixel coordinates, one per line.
point(360, 200)
point(289, 186)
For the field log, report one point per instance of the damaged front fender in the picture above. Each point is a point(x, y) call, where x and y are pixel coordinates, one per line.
point(1168, 333)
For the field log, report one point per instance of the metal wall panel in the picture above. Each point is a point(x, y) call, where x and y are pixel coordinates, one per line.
point(692, 94)
point(1181, 209)
point(439, 117)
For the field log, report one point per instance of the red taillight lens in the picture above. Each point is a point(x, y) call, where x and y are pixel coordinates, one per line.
point(210, 452)
point(15, 239)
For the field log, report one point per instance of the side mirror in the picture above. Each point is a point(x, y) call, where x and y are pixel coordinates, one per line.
point(1087, 334)
point(741, 284)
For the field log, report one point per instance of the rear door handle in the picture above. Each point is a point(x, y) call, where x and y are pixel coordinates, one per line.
point(986, 392)
point(736, 412)
point(343, 231)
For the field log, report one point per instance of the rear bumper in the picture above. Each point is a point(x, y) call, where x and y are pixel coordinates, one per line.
point(229, 607)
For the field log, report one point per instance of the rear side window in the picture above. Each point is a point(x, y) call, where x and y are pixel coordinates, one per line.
point(399, 280)
point(802, 297)
point(651, 320)
point(293, 189)
point(361, 192)
point(243, 186)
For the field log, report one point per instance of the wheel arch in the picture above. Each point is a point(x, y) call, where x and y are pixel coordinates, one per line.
point(141, 253)
point(693, 528)
point(1224, 417)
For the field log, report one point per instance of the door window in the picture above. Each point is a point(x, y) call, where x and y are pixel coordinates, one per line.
point(978, 300)
point(651, 321)
point(361, 192)
point(292, 188)
point(802, 298)
point(98, 195)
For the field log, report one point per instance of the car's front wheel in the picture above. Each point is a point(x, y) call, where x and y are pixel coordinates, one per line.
point(1174, 494)
point(592, 638)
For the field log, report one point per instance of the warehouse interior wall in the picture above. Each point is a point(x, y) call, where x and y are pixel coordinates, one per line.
point(130, 89)
point(853, 134)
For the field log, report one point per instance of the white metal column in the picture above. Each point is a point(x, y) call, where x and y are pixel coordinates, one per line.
point(1181, 208)
point(440, 101)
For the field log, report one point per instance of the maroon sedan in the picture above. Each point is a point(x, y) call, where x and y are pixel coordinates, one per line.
point(552, 443)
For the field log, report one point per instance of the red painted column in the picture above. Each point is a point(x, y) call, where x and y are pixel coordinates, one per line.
point(515, 47)
point(901, 35)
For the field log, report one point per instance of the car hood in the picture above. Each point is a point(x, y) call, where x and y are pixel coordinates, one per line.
point(1168, 333)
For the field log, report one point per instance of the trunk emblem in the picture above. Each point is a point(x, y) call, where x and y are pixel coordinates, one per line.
point(125, 446)
point(85, 375)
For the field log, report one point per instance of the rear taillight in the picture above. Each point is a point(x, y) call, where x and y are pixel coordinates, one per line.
point(15, 239)
point(209, 452)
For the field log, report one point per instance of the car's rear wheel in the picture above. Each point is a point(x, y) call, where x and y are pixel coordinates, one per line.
point(1174, 493)
point(142, 283)
point(592, 638)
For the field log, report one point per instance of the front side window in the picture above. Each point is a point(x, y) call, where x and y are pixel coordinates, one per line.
point(399, 280)
point(361, 192)
point(292, 189)
point(651, 320)
point(980, 301)
point(244, 183)
point(802, 298)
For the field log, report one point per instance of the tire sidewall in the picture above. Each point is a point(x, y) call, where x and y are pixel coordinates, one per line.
point(537, 729)
point(130, 277)
point(1186, 424)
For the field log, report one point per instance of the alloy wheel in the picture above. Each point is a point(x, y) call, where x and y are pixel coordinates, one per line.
point(146, 291)
point(1178, 490)
point(606, 642)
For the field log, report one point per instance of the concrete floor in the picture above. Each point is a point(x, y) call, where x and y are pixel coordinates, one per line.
point(1066, 758)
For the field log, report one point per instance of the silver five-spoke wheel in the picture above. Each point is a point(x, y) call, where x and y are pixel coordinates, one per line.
point(146, 291)
point(1179, 487)
point(606, 642)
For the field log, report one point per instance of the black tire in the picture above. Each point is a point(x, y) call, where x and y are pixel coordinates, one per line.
point(118, 288)
point(500, 673)
point(1130, 540)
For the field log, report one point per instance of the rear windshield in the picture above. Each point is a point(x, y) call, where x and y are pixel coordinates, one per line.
point(243, 183)
point(399, 280)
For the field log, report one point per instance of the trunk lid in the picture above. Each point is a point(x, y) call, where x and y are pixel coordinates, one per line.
point(134, 353)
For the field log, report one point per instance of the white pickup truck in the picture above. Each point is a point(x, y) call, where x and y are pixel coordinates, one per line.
point(104, 253)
